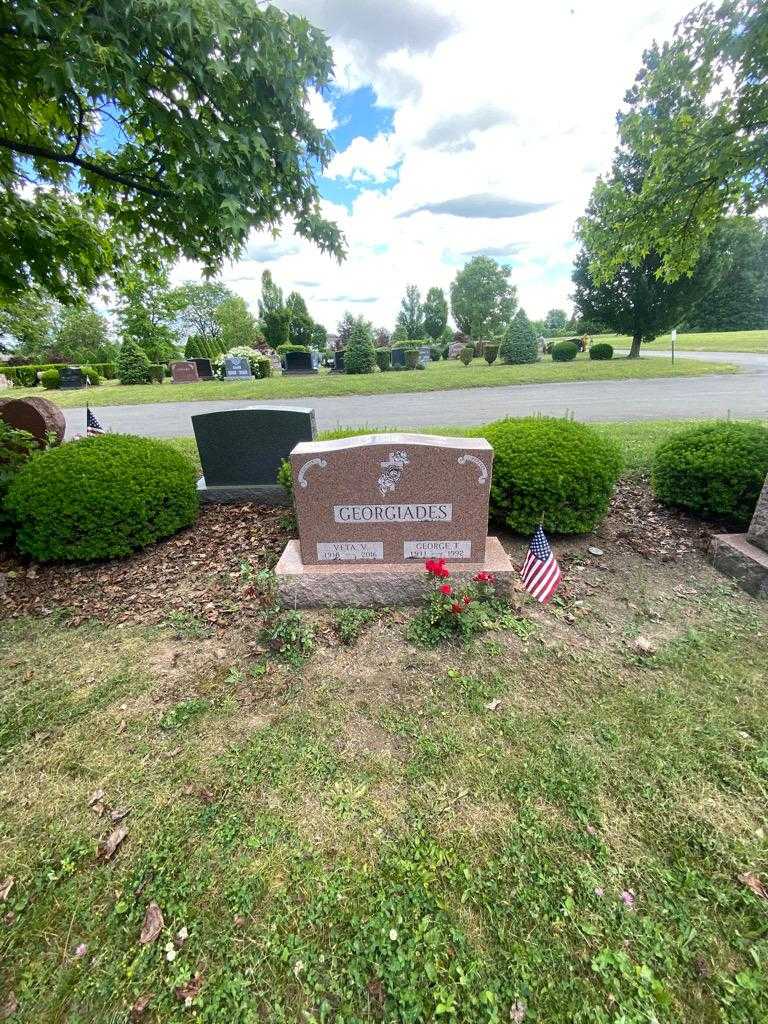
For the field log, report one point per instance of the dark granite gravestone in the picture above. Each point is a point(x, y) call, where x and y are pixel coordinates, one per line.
point(299, 362)
point(184, 372)
point(338, 361)
point(425, 355)
point(398, 357)
point(71, 377)
point(39, 416)
point(204, 368)
point(241, 452)
point(237, 368)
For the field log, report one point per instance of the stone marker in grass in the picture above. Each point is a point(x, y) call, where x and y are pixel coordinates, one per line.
point(744, 556)
point(184, 372)
point(372, 509)
point(39, 416)
point(300, 363)
point(241, 451)
point(71, 378)
point(237, 368)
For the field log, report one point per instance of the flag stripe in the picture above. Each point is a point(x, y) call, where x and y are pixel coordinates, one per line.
point(540, 572)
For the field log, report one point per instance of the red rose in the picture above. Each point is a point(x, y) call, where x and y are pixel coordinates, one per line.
point(455, 607)
point(484, 577)
point(467, 599)
point(446, 589)
point(443, 572)
point(436, 566)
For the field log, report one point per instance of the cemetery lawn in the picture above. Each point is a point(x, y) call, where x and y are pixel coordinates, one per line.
point(715, 341)
point(440, 376)
point(555, 823)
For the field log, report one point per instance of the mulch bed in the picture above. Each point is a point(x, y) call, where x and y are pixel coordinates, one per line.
point(198, 572)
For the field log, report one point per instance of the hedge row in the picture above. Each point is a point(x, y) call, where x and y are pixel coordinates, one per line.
point(26, 376)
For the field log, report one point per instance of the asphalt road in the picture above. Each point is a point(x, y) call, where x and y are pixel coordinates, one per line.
point(739, 395)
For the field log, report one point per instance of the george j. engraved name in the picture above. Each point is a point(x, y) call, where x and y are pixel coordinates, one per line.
point(422, 513)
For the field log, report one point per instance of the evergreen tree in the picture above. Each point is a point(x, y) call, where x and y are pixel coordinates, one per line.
point(739, 300)
point(344, 330)
point(411, 316)
point(520, 344)
point(271, 296)
point(133, 364)
point(360, 354)
point(435, 311)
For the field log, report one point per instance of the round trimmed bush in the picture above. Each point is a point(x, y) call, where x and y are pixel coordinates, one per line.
point(133, 364)
point(490, 352)
point(50, 379)
point(716, 469)
point(360, 354)
point(383, 359)
point(557, 467)
point(519, 344)
point(91, 375)
point(467, 354)
point(602, 350)
point(101, 497)
point(411, 358)
point(564, 351)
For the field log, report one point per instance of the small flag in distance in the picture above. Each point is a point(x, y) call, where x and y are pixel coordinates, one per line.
point(541, 573)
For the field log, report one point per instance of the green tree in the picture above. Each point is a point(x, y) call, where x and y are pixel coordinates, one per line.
point(300, 329)
point(360, 354)
point(739, 300)
point(411, 316)
point(399, 334)
point(556, 321)
point(198, 306)
point(482, 300)
point(133, 364)
point(271, 300)
point(698, 117)
point(319, 336)
point(344, 330)
point(29, 320)
point(237, 324)
point(519, 344)
point(147, 312)
point(82, 336)
point(435, 312)
point(180, 126)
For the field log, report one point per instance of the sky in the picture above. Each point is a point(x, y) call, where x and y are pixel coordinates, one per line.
point(461, 127)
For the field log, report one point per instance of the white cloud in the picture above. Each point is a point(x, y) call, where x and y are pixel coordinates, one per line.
point(515, 102)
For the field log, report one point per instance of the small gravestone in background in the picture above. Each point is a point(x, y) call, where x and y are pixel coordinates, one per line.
point(204, 368)
point(299, 362)
point(425, 355)
point(241, 452)
point(744, 556)
point(338, 361)
point(274, 358)
point(455, 350)
point(372, 509)
point(39, 416)
point(184, 372)
point(237, 368)
point(71, 377)
point(398, 357)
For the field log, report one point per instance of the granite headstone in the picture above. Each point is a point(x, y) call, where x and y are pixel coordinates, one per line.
point(744, 556)
point(39, 416)
point(237, 368)
point(398, 357)
point(338, 361)
point(71, 377)
point(204, 368)
point(241, 451)
point(184, 372)
point(299, 362)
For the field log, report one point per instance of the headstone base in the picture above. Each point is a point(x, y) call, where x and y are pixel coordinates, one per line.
point(241, 494)
point(733, 555)
point(361, 585)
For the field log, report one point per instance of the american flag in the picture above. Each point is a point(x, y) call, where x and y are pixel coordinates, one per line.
point(92, 425)
point(541, 573)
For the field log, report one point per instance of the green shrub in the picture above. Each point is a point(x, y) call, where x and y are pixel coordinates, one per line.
point(716, 469)
point(360, 354)
point(289, 347)
point(101, 497)
point(91, 375)
point(467, 354)
point(411, 358)
point(446, 352)
point(408, 343)
point(383, 359)
point(602, 350)
point(558, 468)
point(490, 352)
point(26, 376)
point(434, 353)
point(264, 367)
point(520, 344)
point(156, 373)
point(106, 370)
point(564, 351)
point(133, 364)
point(285, 478)
point(50, 379)
point(17, 447)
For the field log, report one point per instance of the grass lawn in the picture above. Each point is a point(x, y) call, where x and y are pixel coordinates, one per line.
point(440, 376)
point(544, 826)
point(722, 341)
point(637, 441)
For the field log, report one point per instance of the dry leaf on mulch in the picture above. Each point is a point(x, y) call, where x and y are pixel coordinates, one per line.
point(153, 924)
point(753, 882)
point(9, 1006)
point(138, 1008)
point(5, 888)
point(186, 993)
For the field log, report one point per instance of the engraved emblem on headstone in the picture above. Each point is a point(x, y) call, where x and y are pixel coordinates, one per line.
point(393, 470)
point(302, 475)
point(464, 459)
